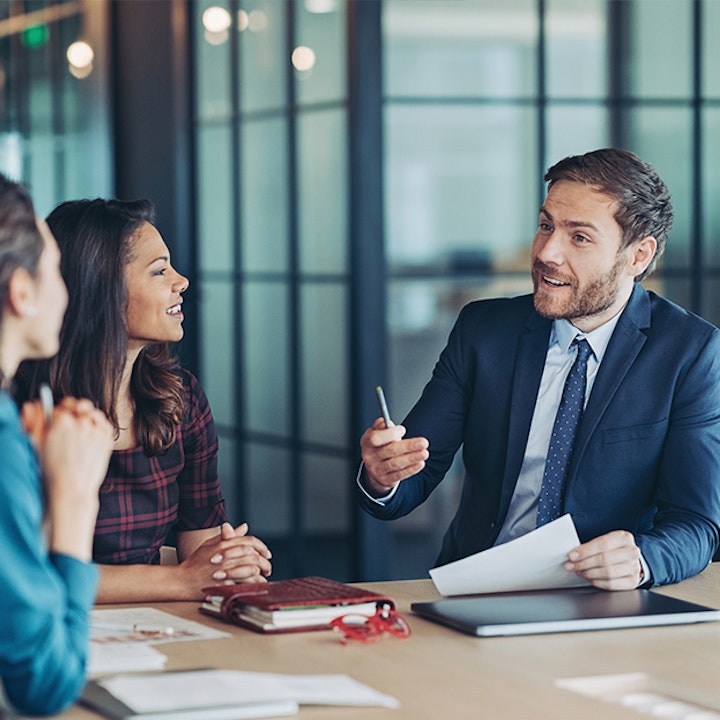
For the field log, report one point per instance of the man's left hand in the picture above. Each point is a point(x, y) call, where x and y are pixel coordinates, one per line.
point(610, 562)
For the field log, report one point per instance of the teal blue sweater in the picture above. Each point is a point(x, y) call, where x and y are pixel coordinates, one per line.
point(44, 597)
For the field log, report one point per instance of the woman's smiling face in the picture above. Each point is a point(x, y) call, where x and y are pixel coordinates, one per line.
point(154, 291)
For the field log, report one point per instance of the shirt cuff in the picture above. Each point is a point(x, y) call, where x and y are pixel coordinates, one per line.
point(647, 580)
point(377, 500)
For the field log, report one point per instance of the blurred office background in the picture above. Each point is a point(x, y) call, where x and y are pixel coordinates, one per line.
point(337, 178)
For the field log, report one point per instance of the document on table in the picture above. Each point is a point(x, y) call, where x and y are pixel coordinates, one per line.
point(210, 688)
point(531, 562)
point(120, 638)
point(104, 659)
point(146, 625)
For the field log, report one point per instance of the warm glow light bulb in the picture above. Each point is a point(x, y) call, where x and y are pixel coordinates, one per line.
point(216, 19)
point(303, 58)
point(80, 54)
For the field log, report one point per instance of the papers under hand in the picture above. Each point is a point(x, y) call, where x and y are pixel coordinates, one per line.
point(531, 562)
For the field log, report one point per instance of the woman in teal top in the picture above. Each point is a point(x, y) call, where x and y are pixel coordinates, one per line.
point(46, 518)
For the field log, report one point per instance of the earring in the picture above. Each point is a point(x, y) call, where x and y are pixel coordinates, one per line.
point(31, 312)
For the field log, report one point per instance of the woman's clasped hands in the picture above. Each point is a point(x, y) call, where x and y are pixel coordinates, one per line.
point(229, 557)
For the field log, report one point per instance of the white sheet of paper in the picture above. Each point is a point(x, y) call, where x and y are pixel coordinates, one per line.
point(105, 658)
point(531, 562)
point(207, 688)
point(116, 625)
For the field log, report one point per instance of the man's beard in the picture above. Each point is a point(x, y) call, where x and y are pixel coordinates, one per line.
point(594, 299)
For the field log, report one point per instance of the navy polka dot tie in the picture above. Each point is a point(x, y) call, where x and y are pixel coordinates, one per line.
point(563, 436)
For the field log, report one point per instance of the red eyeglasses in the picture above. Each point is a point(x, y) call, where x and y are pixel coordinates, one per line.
point(368, 629)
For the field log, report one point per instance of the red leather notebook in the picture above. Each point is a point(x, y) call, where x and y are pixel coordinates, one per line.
point(300, 604)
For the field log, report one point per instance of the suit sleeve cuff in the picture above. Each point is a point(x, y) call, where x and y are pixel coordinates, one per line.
point(382, 501)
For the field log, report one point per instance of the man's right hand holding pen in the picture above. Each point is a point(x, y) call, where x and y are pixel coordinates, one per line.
point(387, 457)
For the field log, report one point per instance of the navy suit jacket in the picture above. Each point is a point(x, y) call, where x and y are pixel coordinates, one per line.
point(647, 454)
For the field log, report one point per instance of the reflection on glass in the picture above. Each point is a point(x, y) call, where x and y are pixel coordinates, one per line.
point(76, 95)
point(11, 155)
point(216, 19)
point(324, 363)
point(38, 162)
point(217, 358)
point(80, 56)
point(576, 46)
point(326, 486)
point(421, 314)
point(710, 49)
point(212, 60)
point(257, 21)
point(55, 134)
point(215, 198)
point(40, 97)
point(711, 185)
point(461, 187)
point(322, 191)
point(303, 58)
point(263, 67)
point(265, 195)
point(662, 137)
point(265, 366)
point(661, 57)
point(217, 38)
point(227, 464)
point(321, 6)
point(324, 32)
point(575, 129)
point(268, 490)
point(446, 48)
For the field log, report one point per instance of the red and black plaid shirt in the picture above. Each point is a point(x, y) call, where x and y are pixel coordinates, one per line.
point(149, 497)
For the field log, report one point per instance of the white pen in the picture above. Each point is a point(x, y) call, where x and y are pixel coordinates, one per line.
point(47, 401)
point(383, 407)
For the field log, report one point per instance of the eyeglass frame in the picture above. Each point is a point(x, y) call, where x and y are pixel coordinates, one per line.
point(385, 620)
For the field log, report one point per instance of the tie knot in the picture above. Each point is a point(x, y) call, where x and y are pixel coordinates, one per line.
point(583, 348)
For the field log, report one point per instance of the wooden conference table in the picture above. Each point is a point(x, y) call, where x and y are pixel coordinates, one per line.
point(442, 674)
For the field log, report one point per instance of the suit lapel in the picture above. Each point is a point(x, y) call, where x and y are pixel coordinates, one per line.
point(529, 365)
point(626, 342)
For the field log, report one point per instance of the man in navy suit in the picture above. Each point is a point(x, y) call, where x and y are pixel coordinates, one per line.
point(643, 483)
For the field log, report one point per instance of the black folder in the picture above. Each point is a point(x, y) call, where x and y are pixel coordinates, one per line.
point(566, 610)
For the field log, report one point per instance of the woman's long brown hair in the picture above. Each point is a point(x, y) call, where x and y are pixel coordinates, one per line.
point(95, 239)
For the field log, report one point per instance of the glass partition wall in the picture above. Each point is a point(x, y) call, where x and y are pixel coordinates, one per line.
point(272, 165)
point(316, 286)
point(54, 99)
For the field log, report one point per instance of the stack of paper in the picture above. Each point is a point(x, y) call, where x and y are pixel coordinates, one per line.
point(123, 657)
point(216, 694)
point(120, 638)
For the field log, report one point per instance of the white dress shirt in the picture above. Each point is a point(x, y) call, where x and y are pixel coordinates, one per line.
point(561, 354)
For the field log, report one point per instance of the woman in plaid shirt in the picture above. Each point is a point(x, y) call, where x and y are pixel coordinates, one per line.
point(125, 308)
